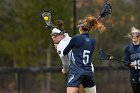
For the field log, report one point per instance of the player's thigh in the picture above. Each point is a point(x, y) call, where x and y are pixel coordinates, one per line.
point(88, 81)
point(72, 90)
point(81, 89)
point(91, 90)
point(73, 80)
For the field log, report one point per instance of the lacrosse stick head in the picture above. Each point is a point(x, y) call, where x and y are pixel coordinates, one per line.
point(106, 10)
point(104, 56)
point(47, 18)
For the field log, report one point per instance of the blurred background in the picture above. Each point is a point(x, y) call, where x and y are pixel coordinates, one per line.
point(26, 45)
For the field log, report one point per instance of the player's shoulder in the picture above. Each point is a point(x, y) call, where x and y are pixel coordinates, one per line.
point(94, 40)
point(76, 36)
point(63, 43)
point(128, 46)
point(65, 40)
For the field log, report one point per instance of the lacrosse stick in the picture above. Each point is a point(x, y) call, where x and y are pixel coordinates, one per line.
point(106, 56)
point(105, 11)
point(47, 16)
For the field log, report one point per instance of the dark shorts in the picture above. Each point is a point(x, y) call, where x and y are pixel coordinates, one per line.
point(74, 80)
point(135, 80)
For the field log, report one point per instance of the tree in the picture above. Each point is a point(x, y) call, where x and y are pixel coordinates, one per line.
point(23, 34)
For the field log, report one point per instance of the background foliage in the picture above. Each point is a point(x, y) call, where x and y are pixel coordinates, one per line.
point(24, 41)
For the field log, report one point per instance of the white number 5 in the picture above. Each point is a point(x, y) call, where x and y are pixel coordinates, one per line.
point(86, 56)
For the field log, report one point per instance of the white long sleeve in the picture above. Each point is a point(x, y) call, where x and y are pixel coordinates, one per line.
point(60, 48)
point(65, 63)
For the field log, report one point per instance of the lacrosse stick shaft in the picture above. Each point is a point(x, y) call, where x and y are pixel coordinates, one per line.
point(106, 56)
point(119, 60)
point(98, 18)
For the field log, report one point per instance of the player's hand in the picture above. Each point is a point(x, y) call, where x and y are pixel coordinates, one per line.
point(133, 64)
point(55, 45)
point(64, 71)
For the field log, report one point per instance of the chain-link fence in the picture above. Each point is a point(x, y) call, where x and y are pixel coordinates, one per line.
point(50, 80)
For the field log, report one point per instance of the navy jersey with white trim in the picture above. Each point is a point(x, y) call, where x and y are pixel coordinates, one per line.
point(132, 54)
point(82, 47)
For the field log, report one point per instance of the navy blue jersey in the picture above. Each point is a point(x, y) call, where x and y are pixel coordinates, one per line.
point(82, 47)
point(132, 54)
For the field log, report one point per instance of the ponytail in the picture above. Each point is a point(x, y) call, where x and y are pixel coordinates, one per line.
point(60, 26)
point(91, 23)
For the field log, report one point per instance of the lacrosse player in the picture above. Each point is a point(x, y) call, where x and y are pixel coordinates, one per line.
point(132, 58)
point(82, 47)
point(61, 40)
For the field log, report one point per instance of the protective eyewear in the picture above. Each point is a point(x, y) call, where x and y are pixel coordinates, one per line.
point(136, 34)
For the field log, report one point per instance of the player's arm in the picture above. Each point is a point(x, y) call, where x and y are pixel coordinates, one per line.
point(64, 58)
point(127, 57)
point(69, 46)
point(127, 60)
point(65, 63)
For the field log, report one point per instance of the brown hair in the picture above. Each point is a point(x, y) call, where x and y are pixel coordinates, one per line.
point(60, 25)
point(91, 23)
